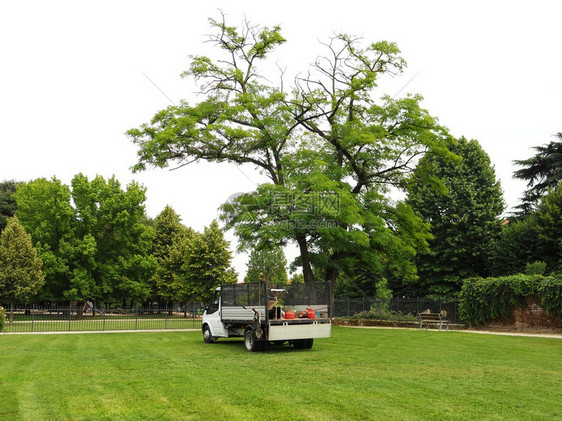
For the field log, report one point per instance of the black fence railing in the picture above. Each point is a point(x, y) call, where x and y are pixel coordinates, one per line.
point(397, 308)
point(47, 319)
point(59, 319)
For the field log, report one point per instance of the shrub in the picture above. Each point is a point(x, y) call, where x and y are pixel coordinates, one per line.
point(381, 313)
point(485, 299)
point(535, 268)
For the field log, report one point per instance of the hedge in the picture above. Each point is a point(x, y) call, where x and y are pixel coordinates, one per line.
point(485, 299)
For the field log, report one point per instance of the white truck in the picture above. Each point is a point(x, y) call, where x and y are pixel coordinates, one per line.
point(293, 313)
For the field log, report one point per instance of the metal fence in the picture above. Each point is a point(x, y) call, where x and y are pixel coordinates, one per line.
point(47, 319)
point(60, 319)
point(398, 307)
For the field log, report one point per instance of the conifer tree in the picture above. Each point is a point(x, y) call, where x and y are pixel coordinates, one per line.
point(20, 267)
point(464, 214)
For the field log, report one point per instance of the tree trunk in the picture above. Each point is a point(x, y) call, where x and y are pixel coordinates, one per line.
point(305, 259)
point(331, 276)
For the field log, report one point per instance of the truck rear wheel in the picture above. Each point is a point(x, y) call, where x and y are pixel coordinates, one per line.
point(251, 343)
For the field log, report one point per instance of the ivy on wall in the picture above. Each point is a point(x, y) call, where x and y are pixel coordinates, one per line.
point(484, 299)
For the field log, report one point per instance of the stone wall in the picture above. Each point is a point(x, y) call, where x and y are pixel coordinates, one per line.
point(529, 318)
point(534, 317)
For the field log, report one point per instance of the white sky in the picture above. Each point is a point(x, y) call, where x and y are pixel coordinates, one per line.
point(72, 82)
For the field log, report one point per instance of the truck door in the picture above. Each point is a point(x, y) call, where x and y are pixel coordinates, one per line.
point(213, 317)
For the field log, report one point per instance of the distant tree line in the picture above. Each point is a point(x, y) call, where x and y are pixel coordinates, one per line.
point(93, 241)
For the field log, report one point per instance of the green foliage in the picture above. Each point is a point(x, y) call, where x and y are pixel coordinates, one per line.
point(485, 299)
point(169, 234)
point(7, 202)
point(98, 249)
point(382, 312)
point(44, 209)
point(325, 137)
point(547, 223)
point(550, 292)
point(384, 294)
point(543, 171)
point(268, 265)
point(535, 268)
point(97, 244)
point(200, 263)
point(297, 278)
point(535, 238)
point(112, 245)
point(462, 200)
point(514, 248)
point(20, 267)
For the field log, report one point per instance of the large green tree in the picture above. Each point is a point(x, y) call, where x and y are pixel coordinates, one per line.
point(44, 209)
point(267, 265)
point(330, 149)
point(92, 238)
point(113, 244)
point(20, 267)
point(462, 200)
point(543, 171)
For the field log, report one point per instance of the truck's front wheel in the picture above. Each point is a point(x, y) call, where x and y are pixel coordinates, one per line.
point(207, 337)
point(251, 343)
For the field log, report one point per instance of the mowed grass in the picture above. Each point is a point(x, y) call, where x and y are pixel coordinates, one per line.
point(358, 374)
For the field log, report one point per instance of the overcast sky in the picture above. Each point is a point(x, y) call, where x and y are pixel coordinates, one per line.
point(74, 77)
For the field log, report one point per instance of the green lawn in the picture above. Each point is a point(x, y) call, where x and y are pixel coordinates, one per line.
point(358, 374)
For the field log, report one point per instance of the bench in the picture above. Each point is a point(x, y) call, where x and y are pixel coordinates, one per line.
point(432, 318)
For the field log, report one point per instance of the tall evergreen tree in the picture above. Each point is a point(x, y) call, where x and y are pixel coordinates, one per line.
point(464, 214)
point(204, 262)
point(20, 267)
point(169, 234)
point(167, 230)
point(542, 171)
